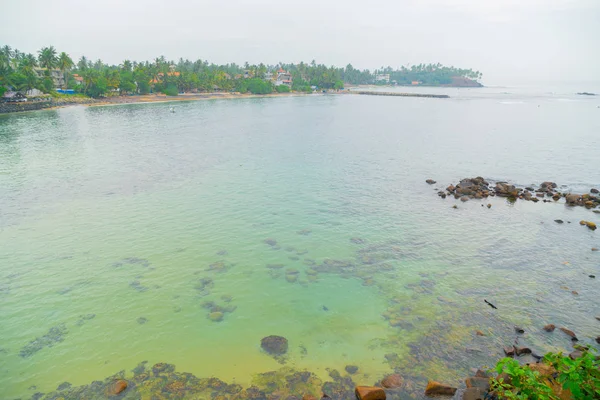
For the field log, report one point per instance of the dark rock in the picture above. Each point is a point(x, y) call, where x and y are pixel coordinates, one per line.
point(431, 181)
point(594, 191)
point(273, 344)
point(598, 339)
point(549, 328)
point(142, 320)
point(569, 333)
point(592, 276)
point(451, 188)
point(519, 330)
point(481, 374)
point(520, 350)
point(392, 381)
point(369, 393)
point(559, 221)
point(489, 205)
point(436, 388)
point(509, 351)
point(351, 369)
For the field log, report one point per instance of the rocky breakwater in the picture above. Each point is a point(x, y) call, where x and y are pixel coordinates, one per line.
point(479, 188)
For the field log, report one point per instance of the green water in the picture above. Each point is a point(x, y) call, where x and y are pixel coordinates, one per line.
point(140, 217)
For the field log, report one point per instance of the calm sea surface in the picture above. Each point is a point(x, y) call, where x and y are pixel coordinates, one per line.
point(123, 227)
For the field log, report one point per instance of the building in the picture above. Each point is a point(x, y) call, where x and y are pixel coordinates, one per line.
point(56, 74)
point(160, 76)
point(283, 78)
point(78, 79)
point(382, 78)
point(415, 83)
point(268, 76)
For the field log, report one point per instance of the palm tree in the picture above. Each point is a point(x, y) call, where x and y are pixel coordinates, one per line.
point(48, 59)
point(82, 64)
point(65, 63)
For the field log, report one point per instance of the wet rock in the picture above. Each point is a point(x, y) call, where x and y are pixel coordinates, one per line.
point(489, 205)
point(549, 328)
point(436, 388)
point(520, 350)
point(309, 397)
point(464, 198)
point(478, 382)
point(351, 369)
point(572, 199)
point(392, 381)
point(479, 333)
point(594, 249)
point(519, 330)
point(509, 351)
point(481, 374)
point(451, 188)
point(291, 278)
point(592, 276)
point(589, 224)
point(116, 387)
point(142, 320)
point(556, 197)
point(455, 206)
point(369, 393)
point(559, 221)
point(598, 339)
point(216, 316)
point(273, 344)
point(431, 181)
point(473, 393)
point(569, 333)
point(575, 354)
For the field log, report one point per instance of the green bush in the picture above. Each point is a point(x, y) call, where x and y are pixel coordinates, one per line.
point(259, 86)
point(171, 90)
point(581, 376)
point(282, 89)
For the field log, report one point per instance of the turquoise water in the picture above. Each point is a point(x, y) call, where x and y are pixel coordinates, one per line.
point(124, 227)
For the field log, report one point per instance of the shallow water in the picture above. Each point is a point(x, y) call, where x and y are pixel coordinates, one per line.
point(305, 217)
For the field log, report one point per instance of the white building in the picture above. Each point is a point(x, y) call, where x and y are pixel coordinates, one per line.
point(382, 78)
point(283, 78)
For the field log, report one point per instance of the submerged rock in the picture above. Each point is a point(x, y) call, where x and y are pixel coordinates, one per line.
point(392, 381)
point(550, 328)
point(273, 344)
point(569, 333)
point(351, 369)
point(430, 181)
point(116, 387)
point(271, 242)
point(369, 393)
point(142, 320)
point(436, 388)
point(216, 316)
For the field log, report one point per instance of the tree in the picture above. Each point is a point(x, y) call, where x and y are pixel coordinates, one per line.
point(47, 58)
point(82, 64)
point(64, 64)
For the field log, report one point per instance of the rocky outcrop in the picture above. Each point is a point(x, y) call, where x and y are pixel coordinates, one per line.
point(479, 188)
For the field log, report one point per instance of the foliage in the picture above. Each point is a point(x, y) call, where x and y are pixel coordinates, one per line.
point(171, 90)
point(581, 376)
point(161, 75)
point(283, 89)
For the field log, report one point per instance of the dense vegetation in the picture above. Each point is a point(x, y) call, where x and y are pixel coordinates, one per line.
point(21, 72)
point(557, 377)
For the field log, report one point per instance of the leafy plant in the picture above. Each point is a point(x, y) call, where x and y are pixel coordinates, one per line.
point(580, 376)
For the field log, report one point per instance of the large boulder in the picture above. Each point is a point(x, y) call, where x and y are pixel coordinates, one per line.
point(116, 387)
point(276, 345)
point(435, 388)
point(505, 190)
point(369, 393)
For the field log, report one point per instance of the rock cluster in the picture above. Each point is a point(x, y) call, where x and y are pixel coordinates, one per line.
point(479, 188)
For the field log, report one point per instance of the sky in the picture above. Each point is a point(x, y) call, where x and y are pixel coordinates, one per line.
point(509, 41)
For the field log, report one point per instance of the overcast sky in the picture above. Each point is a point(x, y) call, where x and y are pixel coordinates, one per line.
point(508, 40)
